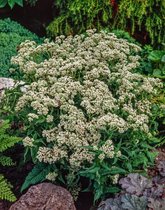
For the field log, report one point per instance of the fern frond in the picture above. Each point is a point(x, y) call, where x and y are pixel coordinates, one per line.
point(6, 161)
point(5, 190)
point(38, 174)
point(3, 127)
point(7, 141)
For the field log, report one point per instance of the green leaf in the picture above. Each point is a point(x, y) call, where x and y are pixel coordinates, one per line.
point(98, 194)
point(112, 189)
point(117, 170)
point(156, 55)
point(5, 190)
point(163, 59)
point(19, 2)
point(38, 174)
point(11, 3)
point(157, 72)
point(6, 161)
point(3, 3)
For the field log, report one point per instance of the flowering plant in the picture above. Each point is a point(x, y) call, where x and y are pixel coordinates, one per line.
point(86, 112)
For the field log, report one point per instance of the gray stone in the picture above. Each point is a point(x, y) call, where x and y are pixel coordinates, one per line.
point(45, 196)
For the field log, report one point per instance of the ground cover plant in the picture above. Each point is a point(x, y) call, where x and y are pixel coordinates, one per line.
point(139, 193)
point(11, 36)
point(87, 112)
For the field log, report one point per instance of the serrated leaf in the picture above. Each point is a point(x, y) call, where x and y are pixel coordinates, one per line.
point(133, 202)
point(135, 183)
point(156, 55)
point(5, 190)
point(6, 161)
point(19, 2)
point(37, 175)
point(11, 3)
point(3, 3)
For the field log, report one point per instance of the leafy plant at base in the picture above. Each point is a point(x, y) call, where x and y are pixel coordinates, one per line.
point(139, 193)
point(86, 112)
point(37, 175)
point(6, 141)
point(11, 36)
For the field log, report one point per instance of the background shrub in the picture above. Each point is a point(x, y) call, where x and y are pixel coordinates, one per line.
point(75, 16)
point(11, 36)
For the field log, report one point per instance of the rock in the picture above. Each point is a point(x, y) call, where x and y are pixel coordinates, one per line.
point(8, 83)
point(45, 196)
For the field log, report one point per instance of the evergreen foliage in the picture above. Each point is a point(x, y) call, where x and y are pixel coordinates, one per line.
point(11, 36)
point(147, 15)
point(75, 16)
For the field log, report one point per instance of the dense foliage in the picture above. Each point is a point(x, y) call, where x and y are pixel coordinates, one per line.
point(146, 15)
point(153, 64)
point(75, 16)
point(139, 193)
point(11, 35)
point(6, 141)
point(86, 111)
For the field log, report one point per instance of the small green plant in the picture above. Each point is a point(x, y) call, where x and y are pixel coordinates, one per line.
point(6, 141)
point(11, 3)
point(153, 64)
point(11, 36)
point(157, 57)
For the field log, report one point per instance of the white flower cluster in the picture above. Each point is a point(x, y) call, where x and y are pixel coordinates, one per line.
point(51, 176)
point(85, 84)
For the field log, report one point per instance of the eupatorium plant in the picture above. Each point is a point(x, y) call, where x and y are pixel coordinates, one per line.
point(86, 112)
